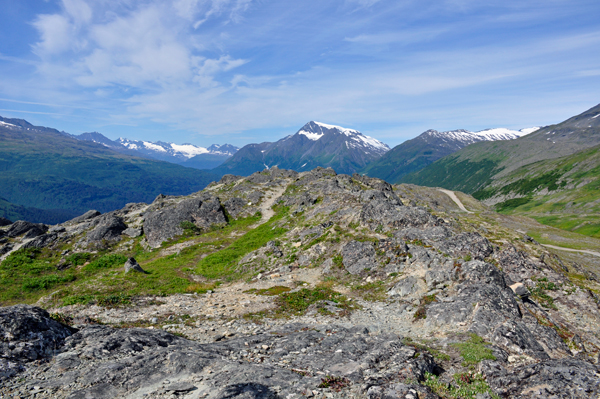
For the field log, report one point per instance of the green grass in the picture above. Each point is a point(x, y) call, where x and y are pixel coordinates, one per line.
point(222, 264)
point(464, 386)
point(27, 275)
point(474, 350)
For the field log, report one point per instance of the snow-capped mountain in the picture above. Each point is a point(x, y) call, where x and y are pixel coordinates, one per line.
point(183, 154)
point(431, 145)
point(181, 151)
point(467, 137)
point(315, 144)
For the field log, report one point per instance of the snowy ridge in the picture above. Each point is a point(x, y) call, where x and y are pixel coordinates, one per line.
point(182, 151)
point(316, 130)
point(469, 137)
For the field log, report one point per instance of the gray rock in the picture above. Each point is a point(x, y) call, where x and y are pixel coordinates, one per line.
point(235, 206)
point(552, 378)
point(89, 215)
point(226, 179)
point(359, 256)
point(165, 223)
point(108, 227)
point(28, 333)
point(132, 265)
point(180, 387)
point(132, 232)
point(409, 286)
point(42, 241)
point(30, 230)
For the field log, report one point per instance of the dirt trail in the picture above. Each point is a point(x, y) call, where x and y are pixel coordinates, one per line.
point(585, 251)
point(266, 207)
point(455, 199)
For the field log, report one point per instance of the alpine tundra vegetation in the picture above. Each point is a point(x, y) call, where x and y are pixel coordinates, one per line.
point(291, 285)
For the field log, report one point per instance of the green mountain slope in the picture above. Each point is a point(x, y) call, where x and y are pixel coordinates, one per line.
point(475, 167)
point(563, 192)
point(45, 169)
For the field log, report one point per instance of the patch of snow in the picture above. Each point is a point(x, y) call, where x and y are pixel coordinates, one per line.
point(529, 130)
point(594, 117)
point(304, 165)
point(8, 124)
point(131, 146)
point(189, 150)
point(153, 146)
point(310, 135)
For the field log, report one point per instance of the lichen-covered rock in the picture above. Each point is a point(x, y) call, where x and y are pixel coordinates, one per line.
point(165, 223)
point(358, 256)
point(552, 378)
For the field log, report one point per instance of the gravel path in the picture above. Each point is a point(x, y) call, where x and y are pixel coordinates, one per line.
point(455, 199)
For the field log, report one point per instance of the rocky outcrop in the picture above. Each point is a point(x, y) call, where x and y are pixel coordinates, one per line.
point(27, 334)
point(359, 256)
point(166, 222)
point(86, 216)
point(108, 227)
point(28, 229)
point(292, 361)
point(4, 222)
point(132, 266)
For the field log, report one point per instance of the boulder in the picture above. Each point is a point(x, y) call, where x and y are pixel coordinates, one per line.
point(30, 230)
point(109, 227)
point(86, 216)
point(42, 241)
point(520, 290)
point(165, 223)
point(132, 265)
point(234, 206)
point(409, 287)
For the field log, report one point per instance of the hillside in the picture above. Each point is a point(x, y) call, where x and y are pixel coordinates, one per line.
point(45, 169)
point(315, 144)
point(477, 166)
point(291, 285)
point(562, 192)
point(415, 154)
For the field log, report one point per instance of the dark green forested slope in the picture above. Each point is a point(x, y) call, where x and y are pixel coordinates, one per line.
point(45, 169)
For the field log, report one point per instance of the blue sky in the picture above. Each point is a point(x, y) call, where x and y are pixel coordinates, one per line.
point(242, 71)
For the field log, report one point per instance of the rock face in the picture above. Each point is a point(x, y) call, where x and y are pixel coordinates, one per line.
point(4, 222)
point(359, 256)
point(165, 222)
point(28, 333)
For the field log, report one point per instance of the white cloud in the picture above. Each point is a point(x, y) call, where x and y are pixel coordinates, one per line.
point(55, 31)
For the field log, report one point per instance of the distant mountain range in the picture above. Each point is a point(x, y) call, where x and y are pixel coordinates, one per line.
point(186, 154)
point(315, 144)
point(552, 174)
point(48, 176)
point(423, 150)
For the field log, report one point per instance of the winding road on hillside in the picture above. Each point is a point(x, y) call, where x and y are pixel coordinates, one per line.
point(461, 206)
